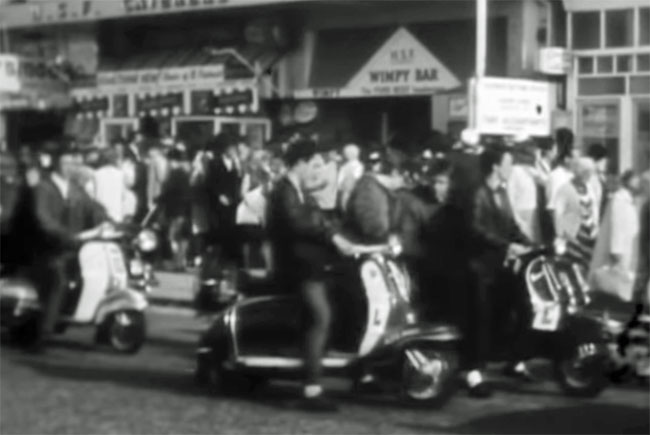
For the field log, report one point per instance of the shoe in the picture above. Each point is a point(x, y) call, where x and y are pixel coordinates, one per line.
point(478, 388)
point(318, 404)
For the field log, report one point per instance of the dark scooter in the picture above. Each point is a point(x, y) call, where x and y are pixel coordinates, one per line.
point(376, 333)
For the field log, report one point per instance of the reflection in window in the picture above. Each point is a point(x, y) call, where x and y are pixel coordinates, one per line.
point(586, 65)
point(644, 26)
point(586, 29)
point(605, 64)
point(619, 29)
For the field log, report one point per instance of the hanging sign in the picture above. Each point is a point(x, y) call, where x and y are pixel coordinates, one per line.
point(513, 107)
point(554, 60)
point(402, 66)
point(9, 81)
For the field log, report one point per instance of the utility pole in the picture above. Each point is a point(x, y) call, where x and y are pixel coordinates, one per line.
point(481, 55)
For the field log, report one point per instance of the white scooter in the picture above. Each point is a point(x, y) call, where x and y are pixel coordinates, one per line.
point(99, 295)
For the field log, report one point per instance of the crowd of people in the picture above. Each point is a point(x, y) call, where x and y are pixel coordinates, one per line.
point(458, 212)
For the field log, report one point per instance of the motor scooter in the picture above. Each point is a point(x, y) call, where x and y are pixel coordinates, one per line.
point(97, 294)
point(375, 333)
point(553, 322)
point(140, 244)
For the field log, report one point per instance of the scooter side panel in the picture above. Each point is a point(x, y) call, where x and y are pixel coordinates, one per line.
point(95, 270)
point(268, 326)
point(379, 305)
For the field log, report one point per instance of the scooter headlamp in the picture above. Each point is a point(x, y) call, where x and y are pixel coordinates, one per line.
point(560, 247)
point(147, 241)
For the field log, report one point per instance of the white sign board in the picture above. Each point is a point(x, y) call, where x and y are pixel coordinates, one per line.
point(554, 60)
point(402, 66)
point(513, 107)
point(9, 80)
point(164, 79)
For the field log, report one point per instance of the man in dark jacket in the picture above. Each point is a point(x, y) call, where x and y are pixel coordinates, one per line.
point(222, 183)
point(64, 210)
point(303, 242)
point(497, 237)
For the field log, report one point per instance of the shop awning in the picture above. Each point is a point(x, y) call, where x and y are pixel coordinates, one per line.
point(418, 59)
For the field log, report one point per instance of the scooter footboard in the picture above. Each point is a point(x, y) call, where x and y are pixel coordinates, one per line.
point(427, 333)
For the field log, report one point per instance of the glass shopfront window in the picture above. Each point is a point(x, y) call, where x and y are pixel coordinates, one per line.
point(586, 29)
point(644, 26)
point(599, 123)
point(619, 28)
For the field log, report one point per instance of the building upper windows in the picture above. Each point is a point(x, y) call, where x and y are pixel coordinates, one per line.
point(619, 28)
point(644, 26)
point(586, 29)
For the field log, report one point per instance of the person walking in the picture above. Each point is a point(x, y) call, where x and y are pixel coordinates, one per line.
point(110, 188)
point(175, 206)
point(562, 173)
point(615, 252)
point(522, 191)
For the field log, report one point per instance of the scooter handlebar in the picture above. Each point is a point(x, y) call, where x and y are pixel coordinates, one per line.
point(383, 249)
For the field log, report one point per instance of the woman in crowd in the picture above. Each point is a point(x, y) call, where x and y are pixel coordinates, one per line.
point(522, 190)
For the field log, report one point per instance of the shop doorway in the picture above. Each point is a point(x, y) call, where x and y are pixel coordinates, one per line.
point(599, 123)
point(194, 132)
point(257, 131)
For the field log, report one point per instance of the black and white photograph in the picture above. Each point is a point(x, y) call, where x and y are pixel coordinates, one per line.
point(324, 217)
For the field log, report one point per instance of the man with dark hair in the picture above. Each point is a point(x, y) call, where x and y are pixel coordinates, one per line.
point(499, 237)
point(303, 241)
point(64, 209)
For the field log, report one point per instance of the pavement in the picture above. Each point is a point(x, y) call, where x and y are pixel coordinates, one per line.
point(77, 387)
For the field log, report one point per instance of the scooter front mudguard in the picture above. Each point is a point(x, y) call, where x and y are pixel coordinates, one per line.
point(120, 300)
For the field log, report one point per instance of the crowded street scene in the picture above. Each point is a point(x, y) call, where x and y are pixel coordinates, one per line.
point(324, 216)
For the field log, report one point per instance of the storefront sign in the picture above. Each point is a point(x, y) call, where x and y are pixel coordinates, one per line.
point(554, 60)
point(513, 107)
point(402, 66)
point(458, 106)
point(148, 80)
point(9, 81)
point(64, 11)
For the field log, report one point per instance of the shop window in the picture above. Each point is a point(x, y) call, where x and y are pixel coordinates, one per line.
point(642, 134)
point(605, 64)
point(601, 86)
point(640, 85)
point(619, 28)
point(644, 26)
point(624, 63)
point(643, 62)
point(586, 29)
point(586, 65)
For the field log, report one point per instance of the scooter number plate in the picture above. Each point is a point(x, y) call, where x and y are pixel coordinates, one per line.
point(547, 317)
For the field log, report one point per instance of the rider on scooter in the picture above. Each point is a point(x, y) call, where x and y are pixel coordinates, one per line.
point(303, 242)
point(66, 210)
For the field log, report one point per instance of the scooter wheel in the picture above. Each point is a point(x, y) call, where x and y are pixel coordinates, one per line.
point(582, 377)
point(429, 375)
point(127, 331)
point(27, 334)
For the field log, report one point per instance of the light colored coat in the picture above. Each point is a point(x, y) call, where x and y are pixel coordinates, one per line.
point(522, 192)
point(567, 210)
point(619, 233)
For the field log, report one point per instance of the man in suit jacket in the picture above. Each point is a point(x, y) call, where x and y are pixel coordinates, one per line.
point(64, 209)
point(303, 242)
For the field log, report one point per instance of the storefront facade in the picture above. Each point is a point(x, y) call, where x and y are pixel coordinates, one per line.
point(609, 87)
point(403, 68)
